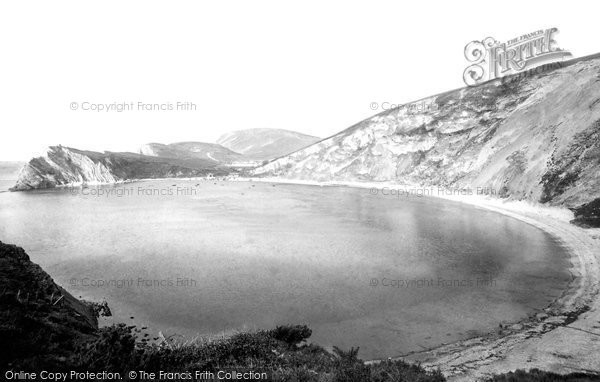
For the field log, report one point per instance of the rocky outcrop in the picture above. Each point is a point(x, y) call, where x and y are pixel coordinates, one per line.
point(533, 137)
point(40, 322)
point(67, 166)
point(587, 215)
point(265, 144)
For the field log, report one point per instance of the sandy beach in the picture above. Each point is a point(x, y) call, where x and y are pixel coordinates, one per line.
point(564, 338)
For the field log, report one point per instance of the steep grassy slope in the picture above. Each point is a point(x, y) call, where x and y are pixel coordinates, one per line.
point(40, 323)
point(532, 137)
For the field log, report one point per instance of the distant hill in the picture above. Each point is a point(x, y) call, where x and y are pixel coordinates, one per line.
point(265, 144)
point(191, 151)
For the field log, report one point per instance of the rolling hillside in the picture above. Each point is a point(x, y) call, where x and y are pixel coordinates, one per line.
point(265, 144)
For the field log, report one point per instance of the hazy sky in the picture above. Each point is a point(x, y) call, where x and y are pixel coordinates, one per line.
point(309, 66)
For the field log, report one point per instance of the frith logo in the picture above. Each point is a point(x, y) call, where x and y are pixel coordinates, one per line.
point(491, 59)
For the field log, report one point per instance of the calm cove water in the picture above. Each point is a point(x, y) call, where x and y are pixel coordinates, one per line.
point(204, 257)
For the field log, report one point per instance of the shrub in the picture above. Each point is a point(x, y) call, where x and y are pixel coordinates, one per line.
point(400, 371)
point(349, 356)
point(113, 350)
point(291, 334)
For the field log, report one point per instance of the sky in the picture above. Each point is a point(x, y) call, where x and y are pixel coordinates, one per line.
point(316, 67)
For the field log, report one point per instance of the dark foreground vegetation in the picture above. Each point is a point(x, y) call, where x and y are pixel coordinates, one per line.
point(279, 352)
point(43, 327)
point(536, 375)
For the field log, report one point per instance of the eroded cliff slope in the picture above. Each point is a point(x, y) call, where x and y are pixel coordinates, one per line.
point(68, 166)
point(534, 137)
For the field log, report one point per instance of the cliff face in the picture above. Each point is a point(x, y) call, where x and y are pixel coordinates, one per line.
point(534, 137)
point(40, 322)
point(68, 166)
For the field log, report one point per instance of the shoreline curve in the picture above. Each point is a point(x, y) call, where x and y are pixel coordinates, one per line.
point(557, 340)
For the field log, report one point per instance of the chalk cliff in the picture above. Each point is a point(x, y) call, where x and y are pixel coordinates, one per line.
point(68, 166)
point(534, 137)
